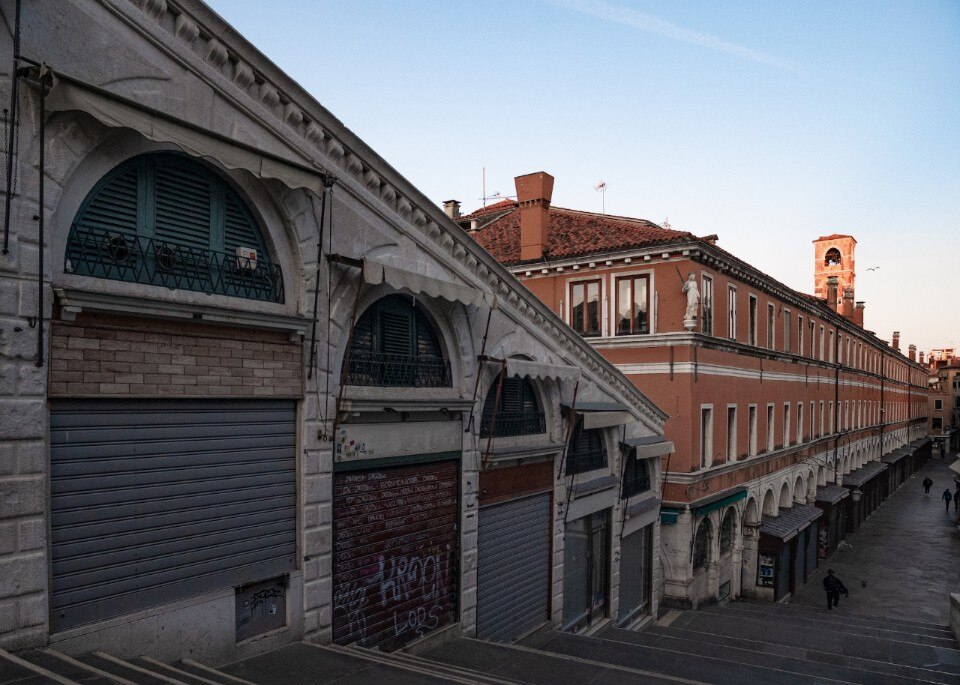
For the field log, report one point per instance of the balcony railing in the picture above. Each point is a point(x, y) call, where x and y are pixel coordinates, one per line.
point(512, 423)
point(134, 259)
point(397, 370)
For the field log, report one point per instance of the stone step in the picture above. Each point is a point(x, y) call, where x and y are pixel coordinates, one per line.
point(823, 640)
point(796, 661)
point(717, 670)
point(787, 607)
point(62, 665)
point(536, 667)
point(162, 669)
point(15, 670)
point(946, 673)
point(127, 671)
point(469, 674)
point(837, 619)
point(191, 667)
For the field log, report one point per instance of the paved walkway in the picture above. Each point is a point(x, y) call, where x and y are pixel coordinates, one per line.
point(904, 560)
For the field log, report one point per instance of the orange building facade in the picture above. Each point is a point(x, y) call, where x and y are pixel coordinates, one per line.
point(790, 421)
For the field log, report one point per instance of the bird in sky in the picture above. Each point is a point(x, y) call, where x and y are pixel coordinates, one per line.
point(872, 268)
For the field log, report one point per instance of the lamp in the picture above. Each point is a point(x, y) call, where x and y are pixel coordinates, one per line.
point(856, 494)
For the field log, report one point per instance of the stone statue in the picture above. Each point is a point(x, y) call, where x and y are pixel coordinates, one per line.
point(693, 301)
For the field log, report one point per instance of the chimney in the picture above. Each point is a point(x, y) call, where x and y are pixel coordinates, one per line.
point(858, 313)
point(452, 208)
point(921, 357)
point(534, 192)
point(896, 340)
point(832, 292)
point(847, 307)
point(912, 353)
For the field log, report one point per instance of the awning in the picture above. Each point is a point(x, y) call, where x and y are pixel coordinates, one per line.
point(649, 446)
point(528, 369)
point(602, 414)
point(376, 273)
point(116, 111)
point(896, 455)
point(831, 494)
point(718, 501)
point(857, 479)
point(955, 466)
point(669, 516)
point(790, 521)
point(646, 505)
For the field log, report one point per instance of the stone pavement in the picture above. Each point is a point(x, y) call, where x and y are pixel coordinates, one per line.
point(905, 559)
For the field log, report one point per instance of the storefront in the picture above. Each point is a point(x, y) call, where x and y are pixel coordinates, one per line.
point(636, 561)
point(898, 467)
point(867, 489)
point(831, 527)
point(586, 570)
point(787, 549)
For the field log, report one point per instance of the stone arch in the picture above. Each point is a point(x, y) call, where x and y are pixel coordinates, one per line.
point(727, 531)
point(800, 490)
point(822, 474)
point(770, 507)
point(811, 485)
point(751, 513)
point(703, 545)
point(786, 500)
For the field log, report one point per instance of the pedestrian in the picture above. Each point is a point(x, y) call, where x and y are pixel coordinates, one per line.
point(947, 497)
point(834, 588)
point(927, 484)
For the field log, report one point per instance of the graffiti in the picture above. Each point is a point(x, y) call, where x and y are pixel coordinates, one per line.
point(350, 599)
point(405, 576)
point(419, 620)
point(258, 602)
point(823, 540)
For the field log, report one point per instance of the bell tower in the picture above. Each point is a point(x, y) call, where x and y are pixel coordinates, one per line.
point(833, 256)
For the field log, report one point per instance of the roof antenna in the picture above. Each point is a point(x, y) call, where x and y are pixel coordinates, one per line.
point(666, 223)
point(601, 188)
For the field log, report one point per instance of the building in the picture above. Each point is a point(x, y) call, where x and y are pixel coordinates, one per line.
point(791, 422)
point(944, 427)
point(255, 387)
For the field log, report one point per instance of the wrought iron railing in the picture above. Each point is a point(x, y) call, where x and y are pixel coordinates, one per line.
point(397, 370)
point(583, 460)
point(115, 256)
point(512, 423)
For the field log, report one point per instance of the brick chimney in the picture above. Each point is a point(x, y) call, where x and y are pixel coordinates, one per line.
point(858, 313)
point(534, 192)
point(921, 357)
point(832, 292)
point(896, 340)
point(452, 208)
point(912, 353)
point(847, 306)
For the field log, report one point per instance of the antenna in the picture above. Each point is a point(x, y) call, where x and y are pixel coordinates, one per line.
point(601, 188)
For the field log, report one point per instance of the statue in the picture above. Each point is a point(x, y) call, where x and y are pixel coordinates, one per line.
point(693, 302)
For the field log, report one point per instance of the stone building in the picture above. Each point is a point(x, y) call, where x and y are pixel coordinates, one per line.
point(255, 387)
point(791, 421)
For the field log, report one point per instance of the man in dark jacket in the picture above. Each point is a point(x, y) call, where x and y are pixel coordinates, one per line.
point(834, 588)
point(927, 484)
point(947, 497)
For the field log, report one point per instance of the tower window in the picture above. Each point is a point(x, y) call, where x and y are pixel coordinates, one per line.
point(832, 257)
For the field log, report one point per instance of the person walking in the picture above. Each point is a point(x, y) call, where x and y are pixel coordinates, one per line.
point(834, 587)
point(927, 484)
point(947, 497)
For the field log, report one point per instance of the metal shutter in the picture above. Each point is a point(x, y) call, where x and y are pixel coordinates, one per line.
point(811, 549)
point(799, 549)
point(156, 500)
point(635, 571)
point(513, 568)
point(783, 572)
point(395, 553)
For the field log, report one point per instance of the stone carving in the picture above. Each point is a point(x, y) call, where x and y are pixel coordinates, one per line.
point(693, 302)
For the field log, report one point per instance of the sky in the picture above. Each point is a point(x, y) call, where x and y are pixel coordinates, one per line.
point(767, 123)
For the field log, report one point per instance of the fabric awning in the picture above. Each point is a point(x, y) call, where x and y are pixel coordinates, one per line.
point(649, 446)
point(955, 466)
point(896, 455)
point(718, 501)
point(669, 516)
point(376, 273)
point(116, 111)
point(602, 414)
point(831, 494)
point(790, 521)
point(537, 370)
point(856, 479)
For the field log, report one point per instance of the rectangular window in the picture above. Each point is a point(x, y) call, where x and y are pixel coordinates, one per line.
point(799, 422)
point(833, 417)
point(846, 416)
point(822, 424)
point(636, 476)
point(813, 327)
point(786, 424)
point(706, 436)
point(937, 423)
point(752, 429)
point(731, 433)
point(938, 404)
point(585, 307)
point(770, 428)
point(732, 312)
point(706, 306)
point(787, 333)
point(839, 348)
point(771, 319)
point(799, 335)
point(812, 433)
point(822, 354)
point(753, 320)
point(830, 349)
point(633, 305)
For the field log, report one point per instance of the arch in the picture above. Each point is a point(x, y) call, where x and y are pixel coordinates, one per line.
point(785, 499)
point(587, 450)
point(395, 344)
point(701, 545)
point(166, 219)
point(770, 503)
point(812, 485)
point(728, 527)
point(751, 513)
point(832, 257)
point(511, 408)
point(800, 491)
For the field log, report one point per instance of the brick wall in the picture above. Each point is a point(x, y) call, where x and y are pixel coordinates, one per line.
point(114, 356)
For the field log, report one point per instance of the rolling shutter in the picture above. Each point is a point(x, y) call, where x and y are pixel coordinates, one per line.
point(513, 568)
point(811, 549)
point(783, 572)
point(153, 501)
point(799, 548)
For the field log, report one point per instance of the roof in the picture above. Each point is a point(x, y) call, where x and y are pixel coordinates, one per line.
point(790, 521)
point(834, 236)
point(570, 233)
point(502, 206)
point(831, 494)
point(857, 478)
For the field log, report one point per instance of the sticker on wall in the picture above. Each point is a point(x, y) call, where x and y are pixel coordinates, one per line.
point(348, 448)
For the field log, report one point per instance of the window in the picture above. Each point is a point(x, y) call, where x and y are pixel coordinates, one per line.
point(586, 451)
point(393, 344)
point(799, 422)
point(830, 350)
point(731, 433)
point(732, 312)
point(752, 430)
point(706, 305)
point(633, 305)
point(636, 476)
point(832, 417)
point(771, 320)
point(812, 433)
point(706, 436)
point(813, 327)
point(726, 531)
point(518, 411)
point(164, 219)
point(585, 307)
point(799, 335)
point(753, 320)
point(770, 428)
point(822, 424)
point(937, 423)
point(832, 257)
point(839, 348)
point(822, 351)
point(786, 331)
point(786, 424)
point(938, 404)
point(846, 416)
point(701, 546)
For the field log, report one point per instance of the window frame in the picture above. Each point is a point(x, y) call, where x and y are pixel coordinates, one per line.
point(585, 283)
point(617, 279)
point(732, 311)
point(706, 436)
point(771, 427)
point(752, 305)
point(771, 325)
point(706, 303)
point(731, 451)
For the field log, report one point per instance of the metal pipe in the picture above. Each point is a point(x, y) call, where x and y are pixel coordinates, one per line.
point(316, 286)
point(40, 222)
point(12, 122)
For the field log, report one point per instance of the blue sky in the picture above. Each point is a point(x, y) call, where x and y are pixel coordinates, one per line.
point(768, 123)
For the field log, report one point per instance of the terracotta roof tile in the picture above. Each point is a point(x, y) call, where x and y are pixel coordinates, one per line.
point(834, 236)
point(491, 209)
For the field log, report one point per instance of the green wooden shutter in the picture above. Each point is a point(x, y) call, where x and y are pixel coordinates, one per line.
point(183, 206)
point(396, 332)
point(239, 229)
point(114, 207)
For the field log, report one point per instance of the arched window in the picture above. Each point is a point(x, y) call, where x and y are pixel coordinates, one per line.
point(701, 545)
point(165, 219)
point(726, 531)
point(832, 257)
point(586, 451)
point(394, 344)
point(636, 476)
point(517, 413)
